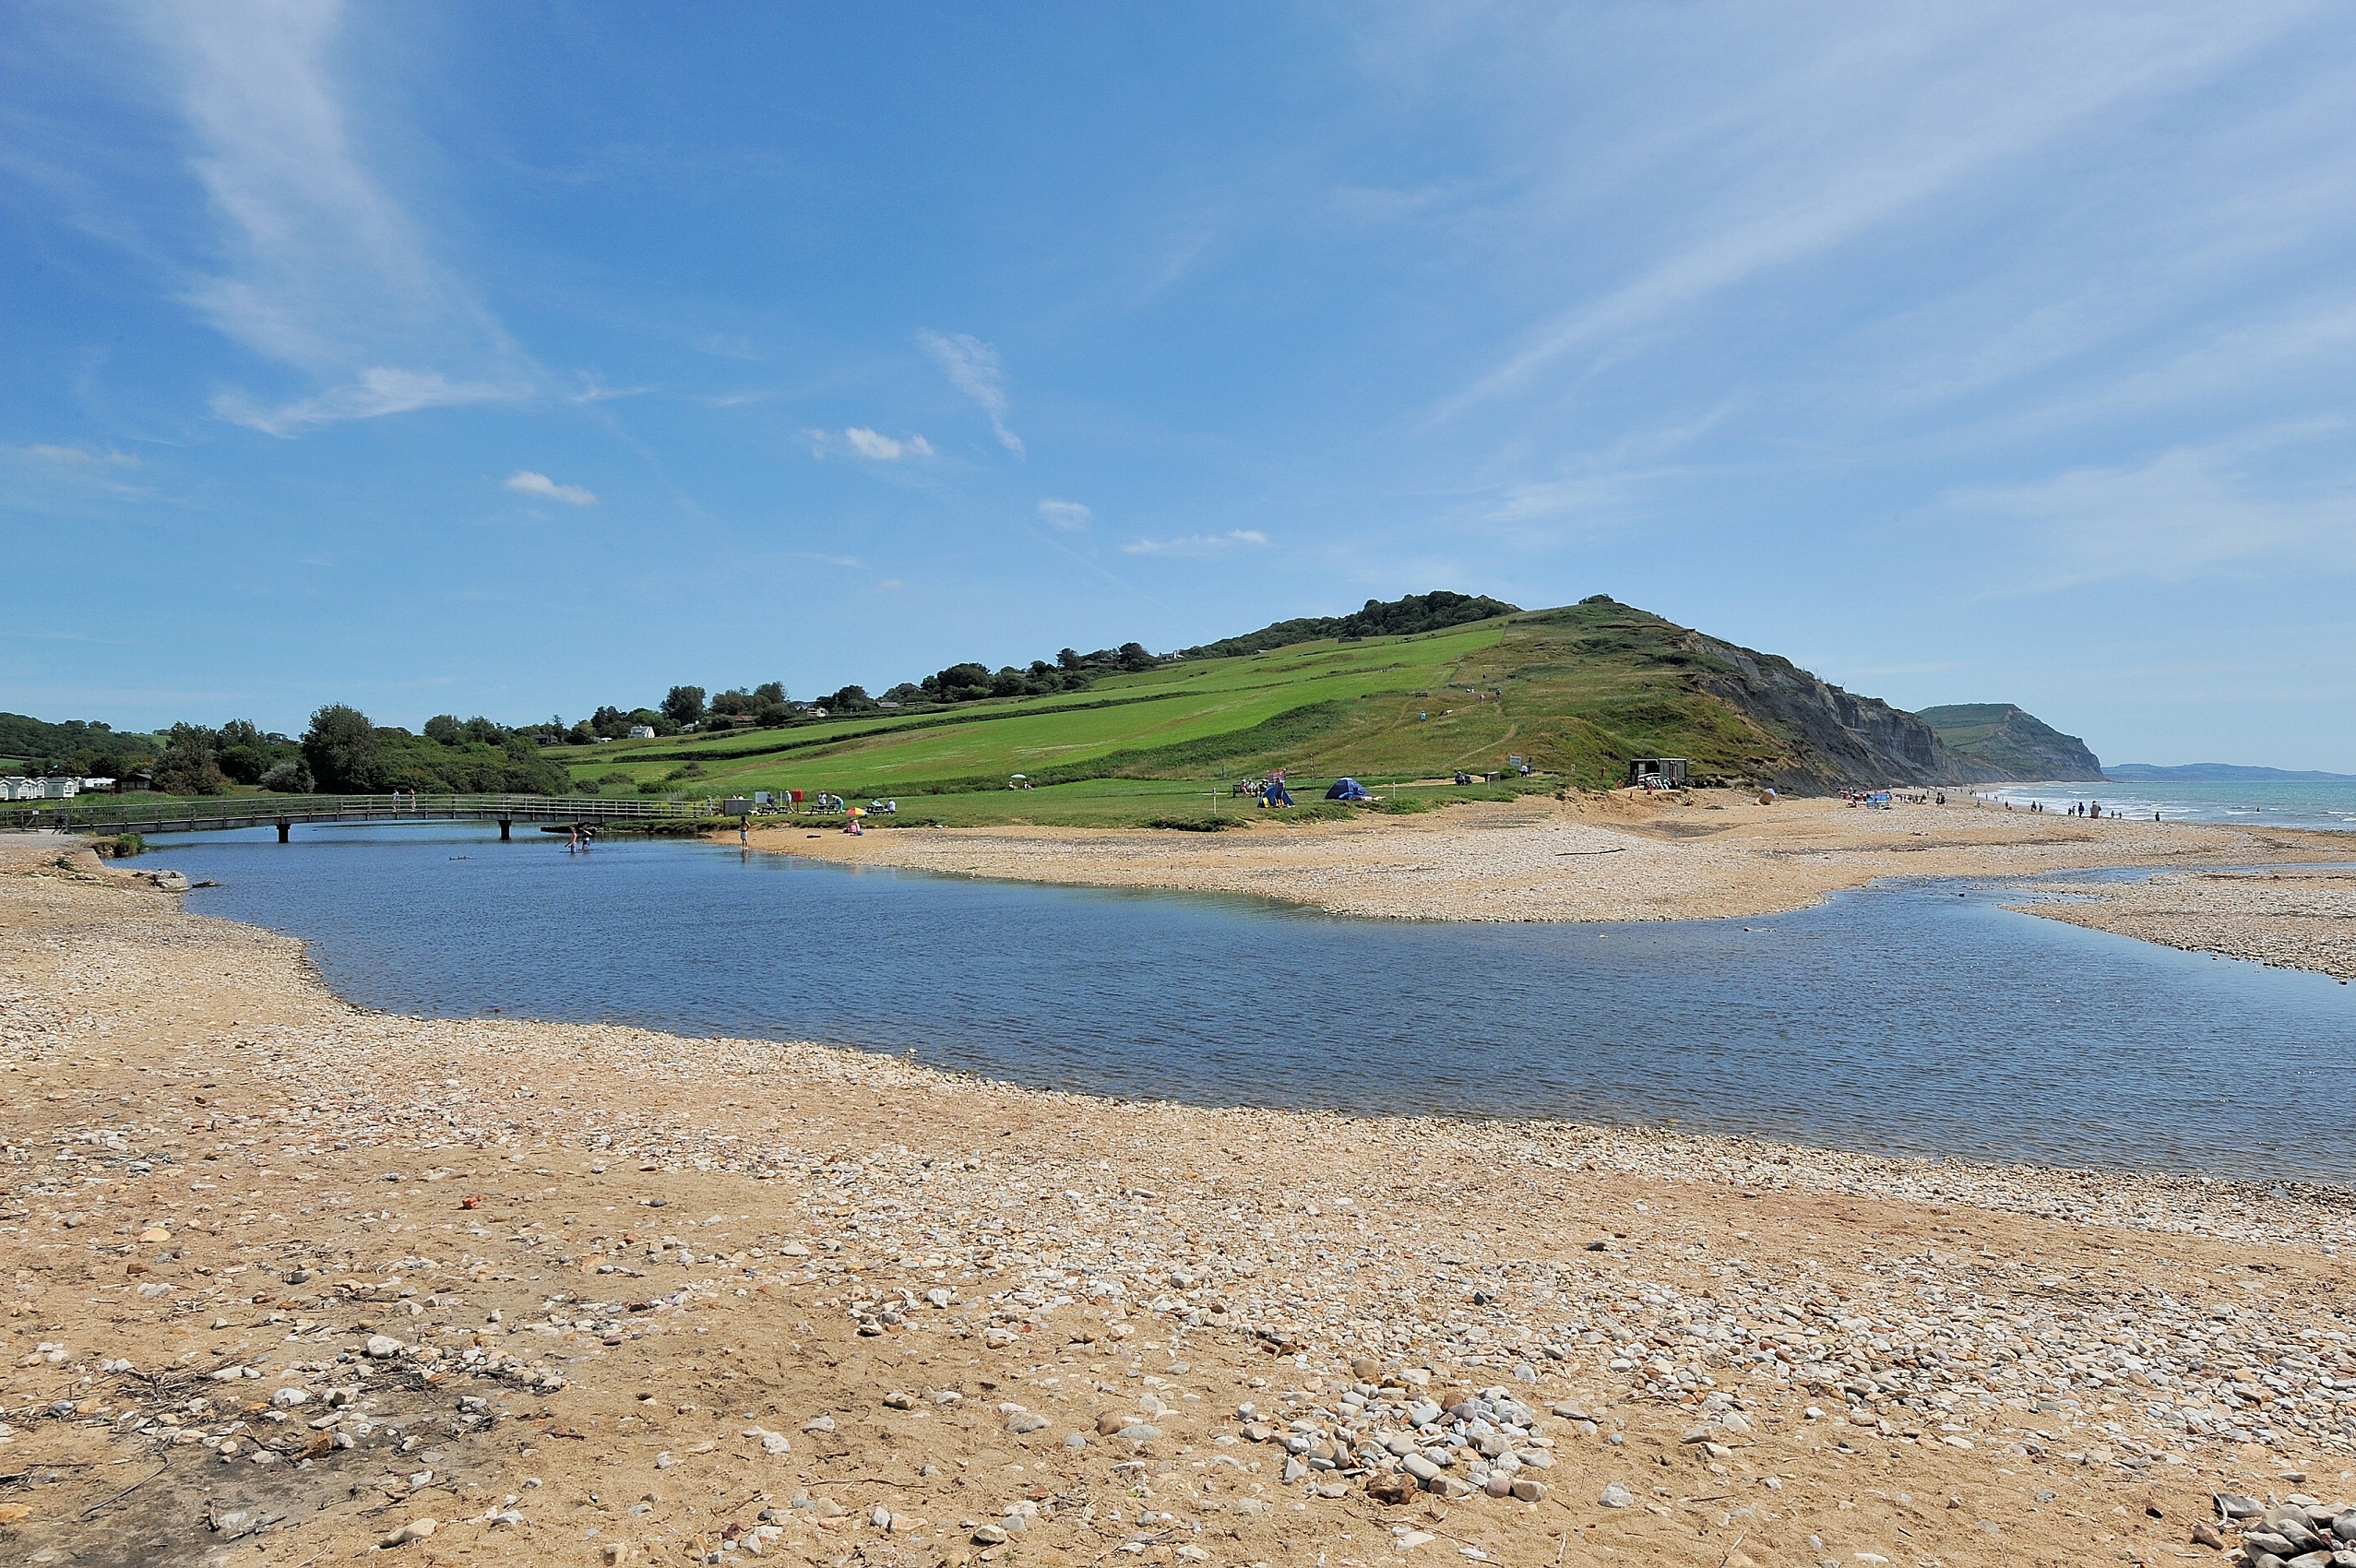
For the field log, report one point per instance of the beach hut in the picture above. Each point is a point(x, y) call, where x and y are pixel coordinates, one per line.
point(1661, 772)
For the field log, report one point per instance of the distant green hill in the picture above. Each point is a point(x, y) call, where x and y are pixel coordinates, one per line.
point(2006, 738)
point(2219, 773)
point(39, 743)
point(1577, 691)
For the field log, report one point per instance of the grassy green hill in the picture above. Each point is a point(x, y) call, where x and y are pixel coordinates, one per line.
point(1577, 690)
point(2019, 743)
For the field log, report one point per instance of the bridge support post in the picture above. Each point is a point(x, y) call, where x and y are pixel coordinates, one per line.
point(284, 827)
point(505, 825)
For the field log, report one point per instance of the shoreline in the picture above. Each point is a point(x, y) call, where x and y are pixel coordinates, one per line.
point(2293, 917)
point(1699, 855)
point(952, 1316)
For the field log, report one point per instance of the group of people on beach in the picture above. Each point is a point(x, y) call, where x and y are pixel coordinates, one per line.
point(2084, 808)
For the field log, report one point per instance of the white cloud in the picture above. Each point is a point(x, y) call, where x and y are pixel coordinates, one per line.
point(1069, 515)
point(2185, 512)
point(871, 444)
point(528, 483)
point(380, 390)
point(315, 266)
point(973, 368)
point(1196, 546)
point(592, 390)
point(883, 449)
point(77, 457)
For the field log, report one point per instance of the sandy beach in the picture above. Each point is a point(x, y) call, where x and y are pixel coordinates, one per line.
point(1690, 855)
point(290, 1279)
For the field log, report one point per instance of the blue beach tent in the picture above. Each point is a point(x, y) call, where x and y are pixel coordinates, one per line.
point(1348, 790)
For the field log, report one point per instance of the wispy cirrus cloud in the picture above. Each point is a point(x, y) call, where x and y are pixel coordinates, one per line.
point(1070, 516)
point(82, 457)
point(529, 481)
point(973, 368)
point(377, 391)
point(592, 390)
point(1199, 546)
point(2179, 512)
point(315, 265)
point(1845, 135)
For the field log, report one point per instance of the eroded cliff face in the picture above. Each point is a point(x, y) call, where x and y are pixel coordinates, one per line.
point(1838, 739)
point(2002, 736)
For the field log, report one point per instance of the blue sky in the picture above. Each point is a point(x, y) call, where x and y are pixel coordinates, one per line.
point(516, 359)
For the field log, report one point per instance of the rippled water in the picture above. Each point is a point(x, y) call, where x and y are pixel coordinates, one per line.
point(2329, 806)
point(1904, 1018)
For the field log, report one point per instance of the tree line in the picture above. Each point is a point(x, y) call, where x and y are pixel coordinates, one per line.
point(344, 752)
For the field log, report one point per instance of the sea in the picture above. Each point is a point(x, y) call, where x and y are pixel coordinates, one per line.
point(2329, 806)
point(1912, 1017)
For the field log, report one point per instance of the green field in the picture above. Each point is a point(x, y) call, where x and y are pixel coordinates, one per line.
point(1577, 690)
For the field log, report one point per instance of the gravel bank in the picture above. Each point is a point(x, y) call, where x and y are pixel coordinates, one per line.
point(1622, 857)
point(290, 1279)
point(2300, 918)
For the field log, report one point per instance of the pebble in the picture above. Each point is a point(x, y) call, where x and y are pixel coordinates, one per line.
point(1617, 1496)
point(415, 1530)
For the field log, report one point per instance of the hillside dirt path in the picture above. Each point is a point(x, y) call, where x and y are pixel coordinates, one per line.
point(1625, 855)
point(289, 1279)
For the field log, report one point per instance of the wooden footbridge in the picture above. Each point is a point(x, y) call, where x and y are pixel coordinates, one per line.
point(146, 814)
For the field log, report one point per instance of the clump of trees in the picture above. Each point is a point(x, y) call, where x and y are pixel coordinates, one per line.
point(84, 748)
point(344, 754)
point(1071, 672)
point(768, 707)
point(189, 765)
point(1404, 616)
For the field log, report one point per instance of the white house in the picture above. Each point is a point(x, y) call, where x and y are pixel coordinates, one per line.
point(642, 732)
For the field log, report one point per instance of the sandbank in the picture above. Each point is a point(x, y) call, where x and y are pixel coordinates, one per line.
point(1625, 855)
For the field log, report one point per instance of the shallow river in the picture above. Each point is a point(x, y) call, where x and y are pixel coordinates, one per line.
point(1910, 1018)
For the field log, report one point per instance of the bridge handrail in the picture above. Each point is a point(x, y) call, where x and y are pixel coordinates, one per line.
point(118, 811)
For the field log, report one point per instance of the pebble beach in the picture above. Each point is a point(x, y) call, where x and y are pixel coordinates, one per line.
point(292, 1282)
point(1698, 854)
